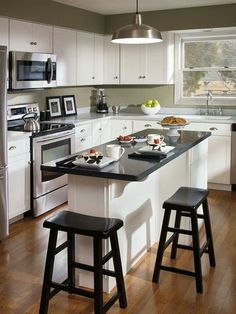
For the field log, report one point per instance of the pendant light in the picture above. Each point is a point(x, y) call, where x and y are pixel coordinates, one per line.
point(136, 33)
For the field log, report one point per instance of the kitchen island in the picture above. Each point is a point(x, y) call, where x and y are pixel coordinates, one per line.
point(134, 190)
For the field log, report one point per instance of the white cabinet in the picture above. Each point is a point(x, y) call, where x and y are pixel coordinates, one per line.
point(145, 124)
point(89, 58)
point(18, 176)
point(3, 31)
point(111, 61)
point(148, 64)
point(83, 137)
point(31, 37)
point(64, 46)
point(120, 127)
point(219, 150)
point(101, 132)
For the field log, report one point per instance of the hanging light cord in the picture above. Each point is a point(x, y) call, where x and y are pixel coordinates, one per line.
point(137, 7)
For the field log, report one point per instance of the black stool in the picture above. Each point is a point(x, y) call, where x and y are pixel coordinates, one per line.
point(186, 202)
point(98, 228)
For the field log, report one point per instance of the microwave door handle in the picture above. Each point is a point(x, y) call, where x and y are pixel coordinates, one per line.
point(49, 63)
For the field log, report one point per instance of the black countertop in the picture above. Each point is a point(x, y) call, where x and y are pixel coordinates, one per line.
point(130, 169)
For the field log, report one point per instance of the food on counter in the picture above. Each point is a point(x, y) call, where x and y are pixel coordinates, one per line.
point(93, 156)
point(151, 103)
point(172, 120)
point(125, 138)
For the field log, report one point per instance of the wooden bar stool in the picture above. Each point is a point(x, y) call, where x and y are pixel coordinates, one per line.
point(186, 202)
point(98, 228)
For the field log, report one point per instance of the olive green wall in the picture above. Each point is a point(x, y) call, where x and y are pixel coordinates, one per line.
point(54, 13)
point(176, 19)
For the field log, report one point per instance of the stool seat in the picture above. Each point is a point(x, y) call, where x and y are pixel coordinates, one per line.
point(186, 199)
point(83, 224)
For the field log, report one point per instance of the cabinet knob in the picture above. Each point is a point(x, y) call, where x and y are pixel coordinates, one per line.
point(213, 129)
point(125, 128)
point(100, 129)
point(140, 77)
point(93, 77)
point(82, 131)
point(12, 147)
point(83, 139)
point(147, 125)
point(115, 77)
point(144, 77)
point(35, 43)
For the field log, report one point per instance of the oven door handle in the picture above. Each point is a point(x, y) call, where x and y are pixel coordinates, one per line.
point(48, 138)
point(49, 64)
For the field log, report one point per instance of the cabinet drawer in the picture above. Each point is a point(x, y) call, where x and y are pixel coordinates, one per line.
point(214, 128)
point(83, 143)
point(145, 124)
point(83, 130)
point(18, 147)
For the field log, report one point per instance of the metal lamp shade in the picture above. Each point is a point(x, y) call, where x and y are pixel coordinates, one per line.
point(136, 33)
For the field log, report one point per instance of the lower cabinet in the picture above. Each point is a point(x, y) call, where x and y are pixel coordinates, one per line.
point(83, 137)
point(219, 150)
point(121, 127)
point(18, 177)
point(101, 132)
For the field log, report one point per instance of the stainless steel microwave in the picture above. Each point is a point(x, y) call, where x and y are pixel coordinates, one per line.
point(32, 70)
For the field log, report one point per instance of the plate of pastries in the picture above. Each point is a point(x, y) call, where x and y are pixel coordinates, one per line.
point(173, 121)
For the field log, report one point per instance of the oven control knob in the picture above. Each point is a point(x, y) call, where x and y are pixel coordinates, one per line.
point(35, 109)
point(29, 109)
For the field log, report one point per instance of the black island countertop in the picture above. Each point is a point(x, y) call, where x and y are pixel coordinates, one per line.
point(132, 169)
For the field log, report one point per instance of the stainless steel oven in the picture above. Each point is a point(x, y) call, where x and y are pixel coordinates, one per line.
point(50, 189)
point(32, 70)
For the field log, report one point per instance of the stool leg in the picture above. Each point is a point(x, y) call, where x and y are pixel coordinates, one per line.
point(48, 272)
point(70, 260)
point(196, 252)
point(98, 280)
point(176, 238)
point(161, 249)
point(209, 233)
point(118, 270)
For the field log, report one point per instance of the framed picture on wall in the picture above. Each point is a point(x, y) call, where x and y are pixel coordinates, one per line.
point(54, 106)
point(69, 105)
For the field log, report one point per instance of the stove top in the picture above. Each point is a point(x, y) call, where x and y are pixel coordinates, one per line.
point(45, 127)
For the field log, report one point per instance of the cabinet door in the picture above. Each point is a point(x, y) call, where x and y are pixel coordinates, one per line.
point(130, 67)
point(19, 185)
point(219, 159)
point(96, 139)
point(83, 143)
point(85, 60)
point(98, 59)
point(111, 61)
point(66, 55)
point(120, 127)
point(105, 131)
point(42, 38)
point(3, 31)
point(21, 37)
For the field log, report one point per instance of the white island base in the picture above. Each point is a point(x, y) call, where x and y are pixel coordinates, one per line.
point(138, 204)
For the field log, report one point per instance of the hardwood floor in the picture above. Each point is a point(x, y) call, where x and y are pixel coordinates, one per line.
point(22, 257)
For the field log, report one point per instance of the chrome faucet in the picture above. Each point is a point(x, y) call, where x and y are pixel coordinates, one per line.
point(209, 98)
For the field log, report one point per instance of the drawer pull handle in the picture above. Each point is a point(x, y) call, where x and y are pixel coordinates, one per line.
point(82, 140)
point(82, 131)
point(100, 129)
point(12, 147)
point(213, 129)
point(147, 125)
point(125, 128)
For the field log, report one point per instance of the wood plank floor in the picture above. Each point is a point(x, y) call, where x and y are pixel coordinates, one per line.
point(22, 257)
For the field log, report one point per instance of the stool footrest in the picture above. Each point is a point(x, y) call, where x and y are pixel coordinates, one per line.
point(200, 216)
point(178, 230)
point(56, 290)
point(204, 248)
point(79, 291)
point(86, 267)
point(109, 303)
point(178, 270)
point(184, 247)
point(61, 247)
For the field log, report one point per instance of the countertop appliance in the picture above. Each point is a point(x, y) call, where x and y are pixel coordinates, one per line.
point(4, 225)
point(32, 70)
point(50, 142)
point(101, 102)
point(233, 158)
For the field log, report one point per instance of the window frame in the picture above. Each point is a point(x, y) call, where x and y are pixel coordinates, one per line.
point(199, 35)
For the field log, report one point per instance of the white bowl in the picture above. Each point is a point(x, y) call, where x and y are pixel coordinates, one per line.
point(150, 110)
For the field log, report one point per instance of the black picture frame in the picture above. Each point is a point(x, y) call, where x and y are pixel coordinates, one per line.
point(54, 106)
point(69, 105)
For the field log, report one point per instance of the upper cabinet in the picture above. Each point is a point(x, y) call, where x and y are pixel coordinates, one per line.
point(66, 55)
point(3, 31)
point(148, 64)
point(111, 64)
point(89, 58)
point(30, 37)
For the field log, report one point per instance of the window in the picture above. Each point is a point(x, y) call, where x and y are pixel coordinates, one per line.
point(205, 62)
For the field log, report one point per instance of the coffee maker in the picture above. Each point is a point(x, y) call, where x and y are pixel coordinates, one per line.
point(101, 106)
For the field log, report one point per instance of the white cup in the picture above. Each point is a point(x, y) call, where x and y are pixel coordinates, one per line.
point(114, 151)
point(152, 137)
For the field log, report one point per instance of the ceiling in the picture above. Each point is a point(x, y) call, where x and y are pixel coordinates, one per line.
point(107, 7)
